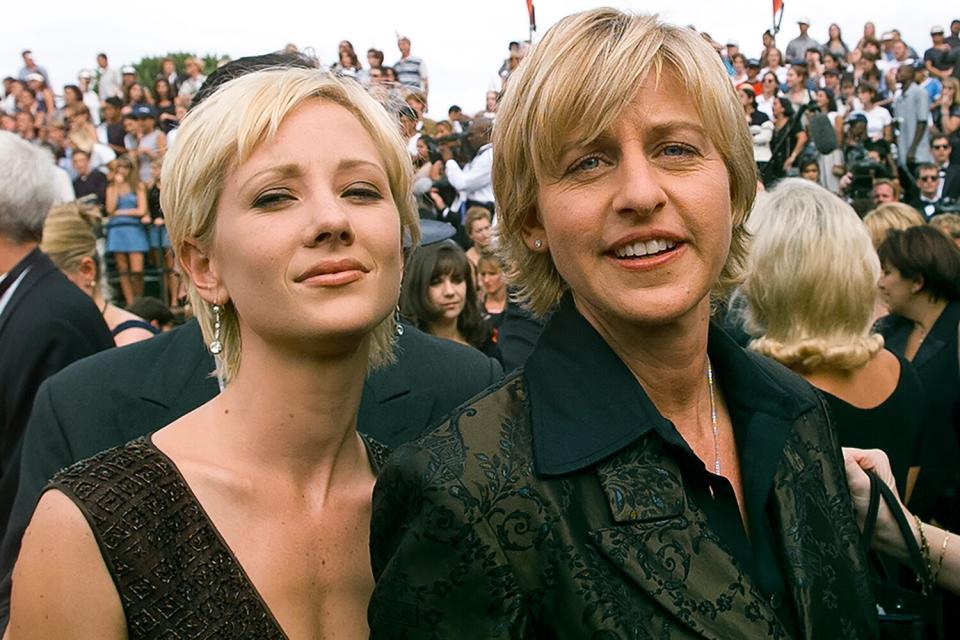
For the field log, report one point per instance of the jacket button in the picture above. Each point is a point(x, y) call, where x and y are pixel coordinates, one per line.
point(776, 601)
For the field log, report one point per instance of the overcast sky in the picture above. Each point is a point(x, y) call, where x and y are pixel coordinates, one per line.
point(463, 43)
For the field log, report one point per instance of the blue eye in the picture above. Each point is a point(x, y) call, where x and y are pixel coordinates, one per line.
point(677, 150)
point(589, 163)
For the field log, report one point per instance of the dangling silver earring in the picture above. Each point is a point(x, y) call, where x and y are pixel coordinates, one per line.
point(396, 321)
point(538, 244)
point(216, 347)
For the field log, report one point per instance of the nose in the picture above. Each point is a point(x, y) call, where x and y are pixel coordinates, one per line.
point(327, 222)
point(639, 191)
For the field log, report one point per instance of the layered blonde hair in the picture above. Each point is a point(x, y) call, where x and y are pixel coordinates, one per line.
point(224, 131)
point(893, 215)
point(69, 236)
point(576, 82)
point(811, 281)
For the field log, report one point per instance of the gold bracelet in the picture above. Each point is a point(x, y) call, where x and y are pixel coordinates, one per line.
point(925, 556)
point(943, 552)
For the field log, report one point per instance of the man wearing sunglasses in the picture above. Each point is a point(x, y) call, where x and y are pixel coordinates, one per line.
point(928, 201)
point(940, 150)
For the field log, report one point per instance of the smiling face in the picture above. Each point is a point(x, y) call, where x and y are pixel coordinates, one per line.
point(307, 241)
point(638, 224)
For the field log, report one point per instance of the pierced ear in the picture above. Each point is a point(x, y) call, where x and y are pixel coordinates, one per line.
point(88, 268)
point(198, 267)
point(917, 285)
point(534, 235)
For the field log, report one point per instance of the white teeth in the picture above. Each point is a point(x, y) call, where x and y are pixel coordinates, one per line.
point(645, 248)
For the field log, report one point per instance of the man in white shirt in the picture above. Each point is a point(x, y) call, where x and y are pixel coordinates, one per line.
point(108, 80)
point(90, 97)
point(473, 181)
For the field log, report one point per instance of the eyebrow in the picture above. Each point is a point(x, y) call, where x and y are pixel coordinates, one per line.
point(289, 170)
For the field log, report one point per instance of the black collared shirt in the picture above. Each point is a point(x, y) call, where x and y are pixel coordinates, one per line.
point(577, 382)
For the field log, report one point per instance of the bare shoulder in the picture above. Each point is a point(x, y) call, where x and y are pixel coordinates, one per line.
point(61, 586)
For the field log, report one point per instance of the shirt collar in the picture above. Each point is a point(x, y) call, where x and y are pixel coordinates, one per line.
point(586, 405)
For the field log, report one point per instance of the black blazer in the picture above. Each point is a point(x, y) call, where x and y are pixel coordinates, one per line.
point(118, 396)
point(937, 364)
point(47, 324)
point(951, 182)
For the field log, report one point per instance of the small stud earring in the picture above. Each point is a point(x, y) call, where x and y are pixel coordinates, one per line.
point(216, 347)
point(538, 244)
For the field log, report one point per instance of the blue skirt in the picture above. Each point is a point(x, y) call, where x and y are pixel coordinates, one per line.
point(158, 237)
point(125, 234)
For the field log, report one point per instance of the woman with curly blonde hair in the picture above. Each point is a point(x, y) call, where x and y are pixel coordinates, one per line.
point(811, 288)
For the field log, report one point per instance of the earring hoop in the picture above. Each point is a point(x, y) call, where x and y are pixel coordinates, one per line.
point(216, 347)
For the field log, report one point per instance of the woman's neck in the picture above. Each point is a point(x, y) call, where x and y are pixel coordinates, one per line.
point(924, 311)
point(498, 298)
point(290, 409)
point(447, 328)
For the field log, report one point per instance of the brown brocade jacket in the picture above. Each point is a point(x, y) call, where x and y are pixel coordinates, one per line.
point(553, 507)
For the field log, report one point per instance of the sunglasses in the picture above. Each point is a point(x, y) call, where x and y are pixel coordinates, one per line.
point(939, 146)
point(927, 178)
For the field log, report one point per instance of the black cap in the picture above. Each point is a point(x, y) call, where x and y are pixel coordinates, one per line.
point(753, 62)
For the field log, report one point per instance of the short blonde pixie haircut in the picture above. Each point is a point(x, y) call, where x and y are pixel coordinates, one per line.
point(811, 281)
point(893, 215)
point(576, 82)
point(224, 131)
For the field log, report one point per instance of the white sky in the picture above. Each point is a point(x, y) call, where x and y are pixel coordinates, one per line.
point(462, 42)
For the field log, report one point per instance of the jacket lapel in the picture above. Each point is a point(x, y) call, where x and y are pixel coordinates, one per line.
point(37, 271)
point(661, 540)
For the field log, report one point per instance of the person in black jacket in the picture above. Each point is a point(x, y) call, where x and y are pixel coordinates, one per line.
point(45, 321)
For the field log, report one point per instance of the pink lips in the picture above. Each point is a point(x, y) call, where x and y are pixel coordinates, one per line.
point(333, 273)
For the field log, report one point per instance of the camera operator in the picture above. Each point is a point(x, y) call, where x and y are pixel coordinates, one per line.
point(929, 200)
point(471, 175)
point(865, 162)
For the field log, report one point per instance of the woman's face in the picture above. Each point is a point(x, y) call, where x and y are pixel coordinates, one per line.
point(480, 232)
point(638, 224)
point(162, 89)
point(345, 59)
point(447, 296)
point(769, 84)
point(866, 97)
point(810, 172)
point(738, 67)
point(834, 32)
point(895, 290)
point(491, 101)
point(373, 61)
point(123, 170)
point(777, 109)
point(422, 151)
point(307, 239)
point(491, 279)
point(823, 100)
point(793, 78)
point(136, 93)
point(773, 58)
point(746, 100)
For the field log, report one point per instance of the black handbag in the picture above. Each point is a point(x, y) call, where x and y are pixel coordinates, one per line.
point(902, 613)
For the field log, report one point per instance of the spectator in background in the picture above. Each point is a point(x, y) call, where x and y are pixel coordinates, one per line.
point(913, 111)
point(954, 38)
point(70, 242)
point(949, 223)
point(940, 149)
point(37, 86)
point(108, 79)
point(168, 71)
point(761, 126)
point(890, 215)
point(126, 237)
point(194, 80)
point(128, 77)
point(738, 64)
point(835, 43)
point(45, 322)
point(155, 312)
point(374, 73)
point(788, 142)
point(928, 199)
point(939, 59)
point(869, 33)
point(775, 66)
point(163, 93)
point(410, 70)
point(439, 297)
point(879, 120)
point(30, 67)
point(811, 289)
point(946, 114)
point(473, 181)
point(458, 120)
point(111, 131)
point(347, 64)
point(477, 224)
point(770, 90)
point(151, 142)
point(493, 287)
point(88, 181)
point(797, 48)
point(885, 191)
point(753, 75)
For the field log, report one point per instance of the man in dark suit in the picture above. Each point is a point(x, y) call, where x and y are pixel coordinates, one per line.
point(46, 322)
point(940, 149)
point(115, 397)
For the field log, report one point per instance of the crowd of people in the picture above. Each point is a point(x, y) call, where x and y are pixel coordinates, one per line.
point(674, 313)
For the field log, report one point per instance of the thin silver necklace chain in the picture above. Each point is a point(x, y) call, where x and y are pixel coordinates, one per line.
point(713, 419)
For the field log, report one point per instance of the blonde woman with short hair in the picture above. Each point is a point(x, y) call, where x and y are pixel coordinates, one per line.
point(893, 215)
point(70, 242)
point(642, 475)
point(811, 289)
point(287, 198)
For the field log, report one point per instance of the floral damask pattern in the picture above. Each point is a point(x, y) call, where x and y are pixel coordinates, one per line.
point(469, 542)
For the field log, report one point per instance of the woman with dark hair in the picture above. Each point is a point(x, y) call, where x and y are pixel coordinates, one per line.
point(789, 139)
point(835, 43)
point(879, 120)
point(166, 109)
point(440, 298)
point(769, 90)
point(347, 64)
point(920, 283)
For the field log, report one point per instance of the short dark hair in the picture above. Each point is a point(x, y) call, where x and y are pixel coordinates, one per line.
point(376, 54)
point(249, 64)
point(924, 253)
point(939, 136)
point(787, 106)
point(454, 109)
point(80, 152)
point(150, 308)
point(929, 166)
point(114, 102)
